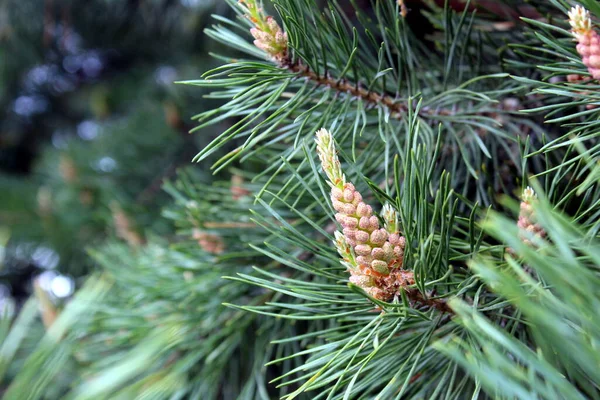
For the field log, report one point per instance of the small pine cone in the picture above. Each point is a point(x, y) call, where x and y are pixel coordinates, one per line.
point(588, 45)
point(589, 49)
point(361, 230)
point(373, 255)
point(527, 218)
point(580, 21)
point(267, 33)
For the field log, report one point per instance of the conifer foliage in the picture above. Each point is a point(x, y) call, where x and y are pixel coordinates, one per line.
point(370, 240)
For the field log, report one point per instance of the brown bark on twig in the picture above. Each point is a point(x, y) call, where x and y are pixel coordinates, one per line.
point(376, 100)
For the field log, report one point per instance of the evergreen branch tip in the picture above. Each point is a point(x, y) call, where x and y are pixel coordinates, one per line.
point(373, 255)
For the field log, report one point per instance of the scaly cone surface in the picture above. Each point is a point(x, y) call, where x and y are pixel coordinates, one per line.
point(588, 45)
point(373, 255)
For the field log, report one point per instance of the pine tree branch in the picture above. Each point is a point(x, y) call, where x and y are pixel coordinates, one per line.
point(376, 100)
point(345, 86)
point(273, 40)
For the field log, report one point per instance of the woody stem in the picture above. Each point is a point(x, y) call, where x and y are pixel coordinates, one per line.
point(376, 100)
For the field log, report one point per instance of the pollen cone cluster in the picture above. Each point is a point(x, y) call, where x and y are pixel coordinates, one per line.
point(373, 254)
point(267, 33)
point(588, 41)
point(527, 218)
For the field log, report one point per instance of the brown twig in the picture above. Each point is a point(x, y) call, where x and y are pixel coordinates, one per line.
point(439, 304)
point(397, 109)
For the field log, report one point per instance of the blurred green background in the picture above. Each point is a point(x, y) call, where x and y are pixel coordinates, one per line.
point(91, 125)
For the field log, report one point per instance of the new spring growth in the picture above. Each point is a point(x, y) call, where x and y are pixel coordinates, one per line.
point(390, 218)
point(527, 217)
point(329, 159)
point(373, 255)
point(588, 41)
point(345, 251)
point(267, 33)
